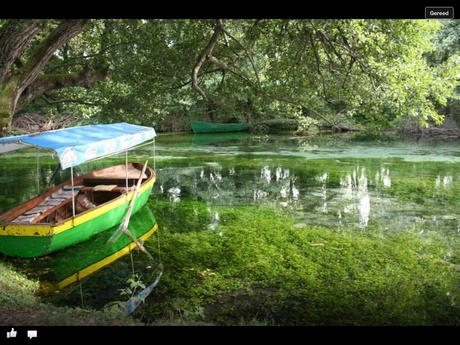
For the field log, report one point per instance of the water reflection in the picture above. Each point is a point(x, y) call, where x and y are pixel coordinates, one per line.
point(344, 204)
point(337, 185)
point(174, 193)
point(355, 190)
point(384, 177)
point(446, 181)
point(329, 183)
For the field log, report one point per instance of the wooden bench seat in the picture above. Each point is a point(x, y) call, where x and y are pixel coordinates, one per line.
point(49, 212)
point(105, 188)
point(48, 205)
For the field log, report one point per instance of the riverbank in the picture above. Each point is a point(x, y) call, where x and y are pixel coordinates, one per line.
point(19, 306)
point(297, 232)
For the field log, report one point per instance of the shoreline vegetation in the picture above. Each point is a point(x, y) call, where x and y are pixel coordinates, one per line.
point(401, 280)
point(449, 130)
point(346, 279)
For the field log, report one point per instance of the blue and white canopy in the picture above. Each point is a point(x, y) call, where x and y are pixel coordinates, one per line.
point(77, 145)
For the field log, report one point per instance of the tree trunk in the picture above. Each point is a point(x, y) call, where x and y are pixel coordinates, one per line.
point(17, 82)
point(15, 36)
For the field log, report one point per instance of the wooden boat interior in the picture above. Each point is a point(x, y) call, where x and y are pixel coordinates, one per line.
point(89, 191)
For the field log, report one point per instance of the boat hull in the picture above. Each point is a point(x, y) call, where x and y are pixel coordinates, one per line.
point(207, 127)
point(75, 263)
point(30, 240)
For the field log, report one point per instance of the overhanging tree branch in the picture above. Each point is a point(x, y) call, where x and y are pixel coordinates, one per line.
point(15, 36)
point(59, 81)
point(21, 83)
point(246, 50)
point(202, 58)
point(65, 31)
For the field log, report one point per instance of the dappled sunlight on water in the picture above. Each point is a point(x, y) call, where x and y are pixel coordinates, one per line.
point(356, 191)
point(317, 181)
point(359, 196)
point(337, 185)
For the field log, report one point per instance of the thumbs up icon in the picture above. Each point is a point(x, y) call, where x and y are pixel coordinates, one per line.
point(11, 334)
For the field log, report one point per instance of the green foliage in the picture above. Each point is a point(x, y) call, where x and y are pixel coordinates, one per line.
point(307, 276)
point(134, 286)
point(446, 42)
point(195, 315)
point(22, 306)
point(260, 265)
point(15, 288)
point(347, 72)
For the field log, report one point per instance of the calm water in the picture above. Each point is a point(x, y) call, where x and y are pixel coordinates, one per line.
point(372, 188)
point(327, 181)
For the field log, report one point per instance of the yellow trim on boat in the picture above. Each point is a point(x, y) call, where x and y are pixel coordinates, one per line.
point(108, 260)
point(26, 230)
point(92, 214)
point(44, 230)
point(100, 211)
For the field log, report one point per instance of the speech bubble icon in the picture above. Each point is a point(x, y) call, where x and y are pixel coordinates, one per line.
point(31, 334)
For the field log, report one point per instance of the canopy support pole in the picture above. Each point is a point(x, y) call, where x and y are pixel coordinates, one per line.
point(73, 192)
point(38, 174)
point(126, 168)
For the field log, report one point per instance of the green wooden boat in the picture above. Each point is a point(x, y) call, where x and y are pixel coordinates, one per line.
point(85, 205)
point(208, 127)
point(62, 268)
point(77, 262)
